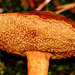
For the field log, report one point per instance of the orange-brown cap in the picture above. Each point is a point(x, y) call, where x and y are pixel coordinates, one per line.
point(37, 31)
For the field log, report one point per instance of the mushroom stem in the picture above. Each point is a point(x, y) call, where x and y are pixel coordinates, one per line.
point(38, 62)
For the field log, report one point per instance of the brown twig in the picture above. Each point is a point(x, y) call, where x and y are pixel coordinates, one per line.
point(56, 2)
point(65, 7)
point(72, 10)
point(43, 5)
point(24, 2)
point(32, 3)
point(1, 10)
point(71, 73)
point(1, 0)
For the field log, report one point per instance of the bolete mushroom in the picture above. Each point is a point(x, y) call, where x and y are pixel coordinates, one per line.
point(38, 35)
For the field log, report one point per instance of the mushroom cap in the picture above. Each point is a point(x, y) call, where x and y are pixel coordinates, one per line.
point(37, 31)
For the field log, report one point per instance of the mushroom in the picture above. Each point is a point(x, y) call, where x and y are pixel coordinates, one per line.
point(38, 35)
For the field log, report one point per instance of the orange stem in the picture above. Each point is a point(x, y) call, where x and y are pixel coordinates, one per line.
point(38, 62)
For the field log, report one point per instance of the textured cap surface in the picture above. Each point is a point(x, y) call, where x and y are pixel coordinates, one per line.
point(37, 31)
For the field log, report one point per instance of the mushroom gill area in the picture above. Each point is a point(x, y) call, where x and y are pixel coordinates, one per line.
point(20, 34)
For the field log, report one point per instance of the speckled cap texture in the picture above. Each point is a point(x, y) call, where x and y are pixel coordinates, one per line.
point(37, 31)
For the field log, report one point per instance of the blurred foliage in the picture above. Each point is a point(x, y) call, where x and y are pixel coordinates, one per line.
point(15, 65)
point(13, 6)
point(66, 1)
